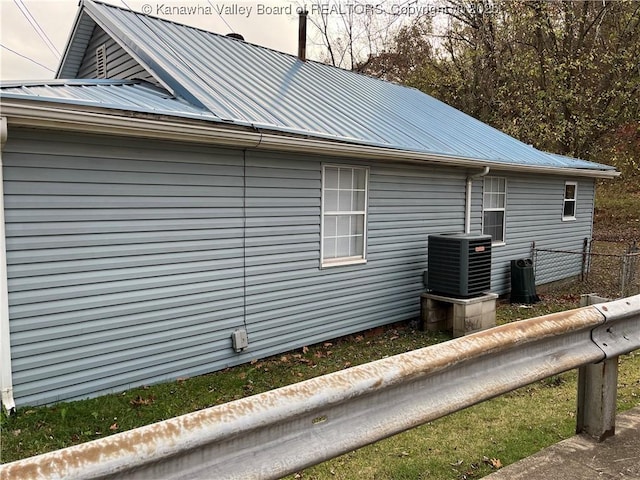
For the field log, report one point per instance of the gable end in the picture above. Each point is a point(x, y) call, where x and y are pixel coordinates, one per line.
point(76, 46)
point(105, 58)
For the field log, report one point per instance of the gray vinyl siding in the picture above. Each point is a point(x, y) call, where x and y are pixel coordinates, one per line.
point(291, 301)
point(77, 48)
point(125, 262)
point(131, 262)
point(120, 64)
point(534, 214)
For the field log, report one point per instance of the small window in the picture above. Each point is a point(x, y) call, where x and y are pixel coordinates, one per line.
point(570, 199)
point(101, 61)
point(344, 215)
point(494, 203)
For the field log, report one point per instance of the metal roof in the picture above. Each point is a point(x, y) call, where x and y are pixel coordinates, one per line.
point(136, 96)
point(245, 84)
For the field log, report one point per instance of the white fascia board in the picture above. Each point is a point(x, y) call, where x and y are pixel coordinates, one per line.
point(30, 113)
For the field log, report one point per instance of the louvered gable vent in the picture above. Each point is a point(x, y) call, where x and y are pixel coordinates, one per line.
point(101, 61)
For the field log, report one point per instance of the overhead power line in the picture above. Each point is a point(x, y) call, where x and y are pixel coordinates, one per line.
point(25, 57)
point(220, 15)
point(36, 26)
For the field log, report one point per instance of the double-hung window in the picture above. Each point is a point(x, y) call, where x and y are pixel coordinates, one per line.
point(344, 215)
point(570, 200)
point(494, 202)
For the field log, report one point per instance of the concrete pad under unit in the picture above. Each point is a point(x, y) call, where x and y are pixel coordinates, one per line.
point(460, 315)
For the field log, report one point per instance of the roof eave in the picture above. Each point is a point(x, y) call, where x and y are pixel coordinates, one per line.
point(96, 120)
point(71, 41)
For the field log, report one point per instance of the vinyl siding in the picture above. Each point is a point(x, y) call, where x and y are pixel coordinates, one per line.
point(120, 64)
point(125, 262)
point(291, 301)
point(131, 262)
point(534, 214)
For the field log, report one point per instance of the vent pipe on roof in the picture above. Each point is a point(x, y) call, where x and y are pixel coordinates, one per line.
point(467, 213)
point(237, 36)
point(302, 35)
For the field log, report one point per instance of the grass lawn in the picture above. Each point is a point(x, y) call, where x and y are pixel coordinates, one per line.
point(617, 213)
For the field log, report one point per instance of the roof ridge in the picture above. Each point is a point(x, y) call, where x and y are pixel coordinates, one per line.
point(221, 35)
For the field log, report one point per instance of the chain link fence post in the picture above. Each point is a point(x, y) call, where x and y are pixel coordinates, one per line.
point(583, 270)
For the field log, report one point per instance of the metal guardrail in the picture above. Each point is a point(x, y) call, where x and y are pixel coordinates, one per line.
point(282, 431)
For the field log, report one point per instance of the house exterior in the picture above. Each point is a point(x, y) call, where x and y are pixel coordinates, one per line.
point(174, 186)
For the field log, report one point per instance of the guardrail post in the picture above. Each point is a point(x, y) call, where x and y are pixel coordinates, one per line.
point(597, 393)
point(597, 390)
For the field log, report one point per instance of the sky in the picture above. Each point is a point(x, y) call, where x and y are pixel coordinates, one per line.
point(43, 37)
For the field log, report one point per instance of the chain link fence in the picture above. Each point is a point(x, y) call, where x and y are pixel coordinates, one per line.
point(608, 269)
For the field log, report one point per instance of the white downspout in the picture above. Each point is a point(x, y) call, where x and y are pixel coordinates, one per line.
point(5, 339)
point(467, 216)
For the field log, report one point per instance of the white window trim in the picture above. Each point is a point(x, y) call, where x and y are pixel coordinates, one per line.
point(502, 242)
point(335, 262)
point(570, 218)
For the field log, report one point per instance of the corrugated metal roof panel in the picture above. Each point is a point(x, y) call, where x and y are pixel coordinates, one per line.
point(242, 82)
point(118, 94)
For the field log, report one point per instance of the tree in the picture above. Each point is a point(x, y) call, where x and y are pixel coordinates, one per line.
point(563, 76)
point(352, 34)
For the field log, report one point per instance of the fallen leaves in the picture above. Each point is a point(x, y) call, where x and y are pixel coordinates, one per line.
point(492, 462)
point(473, 469)
point(140, 401)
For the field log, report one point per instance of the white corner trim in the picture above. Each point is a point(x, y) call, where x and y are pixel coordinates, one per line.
point(6, 379)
